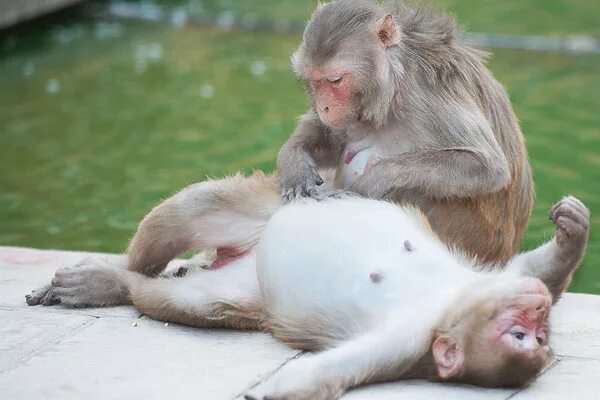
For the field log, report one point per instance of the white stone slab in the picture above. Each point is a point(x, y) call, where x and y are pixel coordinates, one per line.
point(111, 359)
point(54, 352)
point(22, 334)
point(570, 378)
point(414, 389)
point(22, 270)
point(576, 326)
point(419, 389)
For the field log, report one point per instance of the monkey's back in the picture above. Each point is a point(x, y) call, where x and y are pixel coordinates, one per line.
point(489, 227)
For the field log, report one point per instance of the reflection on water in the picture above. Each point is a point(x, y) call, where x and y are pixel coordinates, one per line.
point(102, 119)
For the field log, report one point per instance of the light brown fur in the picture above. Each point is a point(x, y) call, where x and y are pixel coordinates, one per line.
point(461, 156)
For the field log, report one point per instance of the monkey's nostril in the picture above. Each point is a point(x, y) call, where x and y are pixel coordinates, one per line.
point(326, 109)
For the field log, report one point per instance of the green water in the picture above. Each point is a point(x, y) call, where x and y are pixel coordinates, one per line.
point(101, 119)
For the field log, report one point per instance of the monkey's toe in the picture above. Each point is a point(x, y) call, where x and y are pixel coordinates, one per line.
point(40, 296)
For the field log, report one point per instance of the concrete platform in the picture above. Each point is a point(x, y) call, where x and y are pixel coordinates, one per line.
point(114, 353)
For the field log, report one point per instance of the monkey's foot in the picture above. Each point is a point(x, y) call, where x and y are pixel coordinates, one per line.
point(40, 296)
point(572, 219)
point(89, 283)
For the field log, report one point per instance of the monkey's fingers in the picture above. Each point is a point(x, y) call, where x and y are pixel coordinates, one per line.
point(38, 296)
point(573, 209)
point(288, 195)
point(310, 192)
point(571, 203)
point(318, 180)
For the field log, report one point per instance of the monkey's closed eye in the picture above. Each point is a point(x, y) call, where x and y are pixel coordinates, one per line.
point(334, 79)
point(518, 335)
point(540, 340)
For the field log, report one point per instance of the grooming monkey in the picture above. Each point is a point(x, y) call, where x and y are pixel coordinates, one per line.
point(404, 110)
point(305, 272)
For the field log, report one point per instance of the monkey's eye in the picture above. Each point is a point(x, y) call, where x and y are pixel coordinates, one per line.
point(334, 79)
point(518, 335)
point(540, 340)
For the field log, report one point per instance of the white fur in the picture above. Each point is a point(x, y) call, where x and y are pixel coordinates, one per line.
point(330, 273)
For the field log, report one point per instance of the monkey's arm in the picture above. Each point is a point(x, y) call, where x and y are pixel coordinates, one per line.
point(555, 261)
point(465, 161)
point(376, 356)
point(312, 146)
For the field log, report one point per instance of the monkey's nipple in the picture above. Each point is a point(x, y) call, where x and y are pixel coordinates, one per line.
point(375, 277)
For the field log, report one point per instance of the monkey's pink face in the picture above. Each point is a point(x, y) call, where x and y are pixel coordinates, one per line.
point(332, 96)
point(522, 328)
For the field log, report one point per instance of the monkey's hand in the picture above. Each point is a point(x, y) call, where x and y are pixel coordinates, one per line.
point(299, 180)
point(301, 380)
point(572, 220)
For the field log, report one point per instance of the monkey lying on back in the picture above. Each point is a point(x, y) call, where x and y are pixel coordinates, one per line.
point(395, 86)
point(377, 291)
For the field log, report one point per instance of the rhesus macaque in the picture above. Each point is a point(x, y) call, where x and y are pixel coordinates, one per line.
point(378, 291)
point(405, 110)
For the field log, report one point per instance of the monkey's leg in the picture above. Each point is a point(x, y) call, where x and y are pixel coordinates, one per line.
point(226, 214)
point(555, 261)
point(228, 297)
point(224, 298)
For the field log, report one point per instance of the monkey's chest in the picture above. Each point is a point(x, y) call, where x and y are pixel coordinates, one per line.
point(356, 159)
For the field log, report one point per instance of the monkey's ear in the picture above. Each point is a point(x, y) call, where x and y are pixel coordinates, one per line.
point(387, 32)
point(449, 357)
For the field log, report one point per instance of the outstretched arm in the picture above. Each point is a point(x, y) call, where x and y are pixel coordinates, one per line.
point(555, 261)
point(375, 356)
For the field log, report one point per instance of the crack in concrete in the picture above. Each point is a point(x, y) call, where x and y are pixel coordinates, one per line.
point(269, 375)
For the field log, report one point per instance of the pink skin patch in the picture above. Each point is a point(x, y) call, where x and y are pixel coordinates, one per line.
point(531, 323)
point(24, 258)
point(353, 150)
point(373, 159)
point(332, 98)
point(227, 255)
point(375, 277)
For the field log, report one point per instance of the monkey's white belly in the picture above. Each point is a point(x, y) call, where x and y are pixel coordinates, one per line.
point(345, 260)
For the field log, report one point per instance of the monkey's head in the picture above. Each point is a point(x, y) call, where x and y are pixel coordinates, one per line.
point(343, 58)
point(498, 337)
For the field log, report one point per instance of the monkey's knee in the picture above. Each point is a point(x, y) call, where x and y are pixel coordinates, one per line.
point(155, 244)
point(150, 262)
